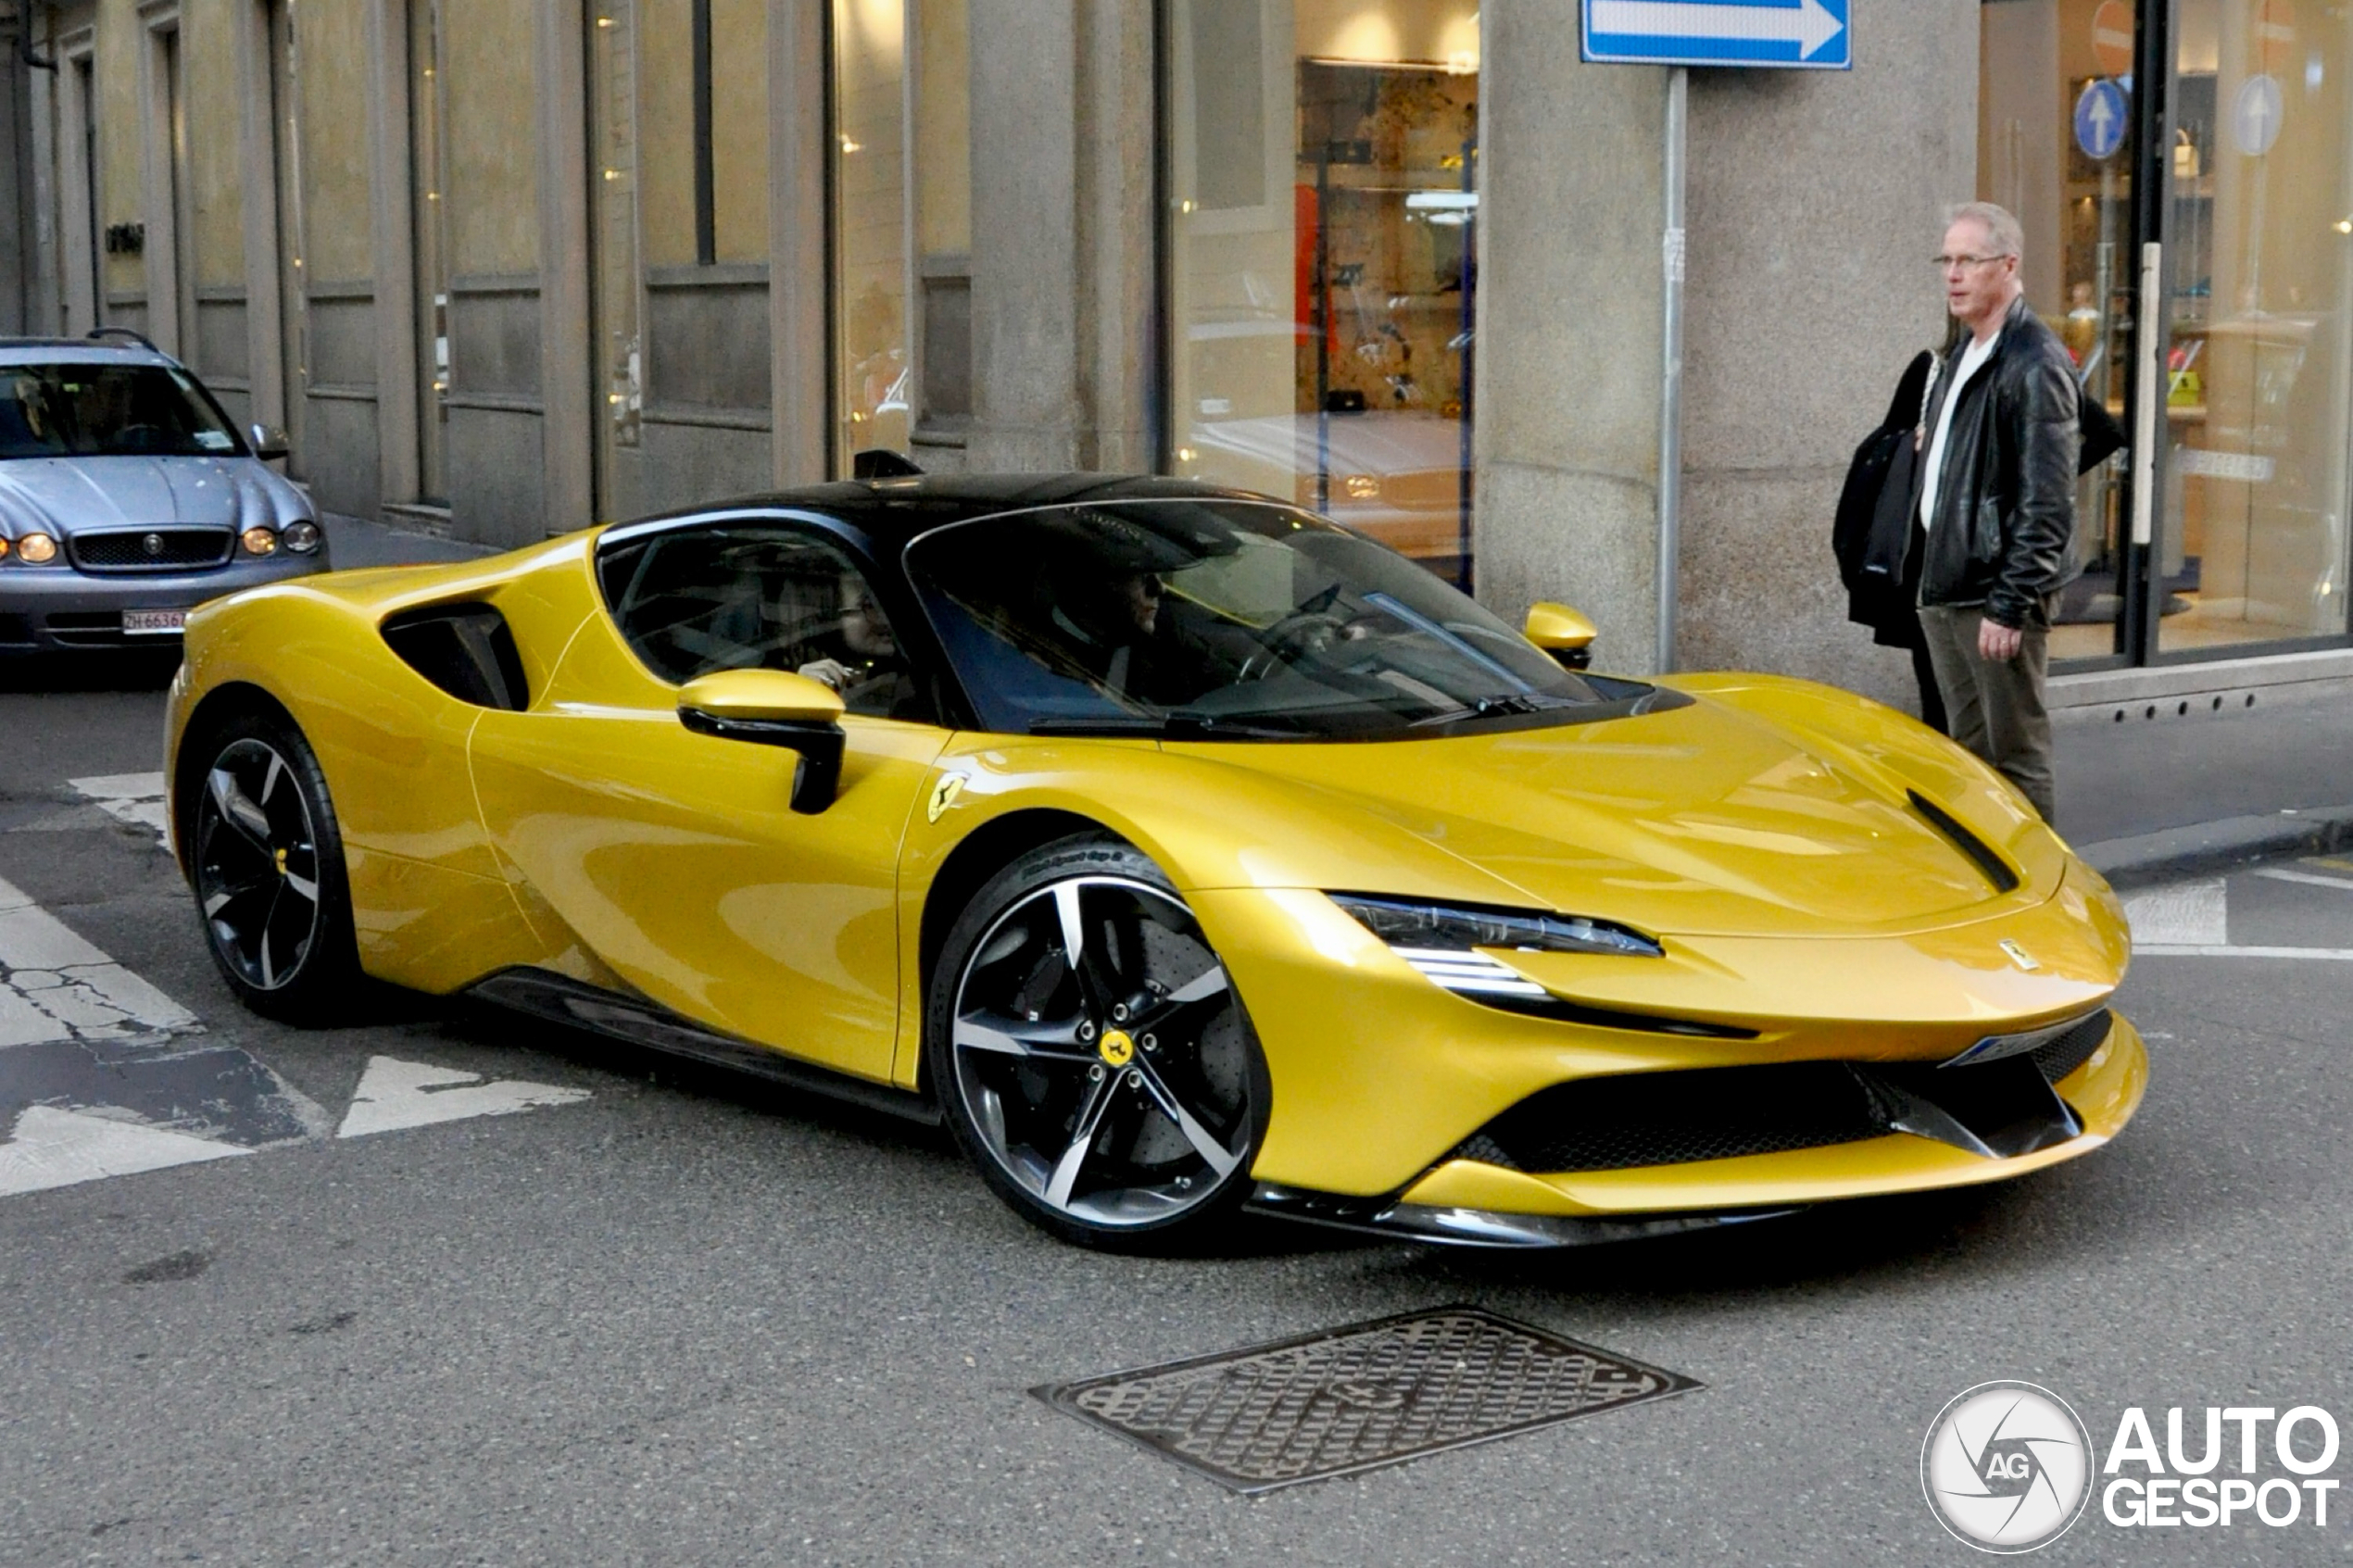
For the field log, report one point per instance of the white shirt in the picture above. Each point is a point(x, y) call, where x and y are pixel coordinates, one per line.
point(1979, 351)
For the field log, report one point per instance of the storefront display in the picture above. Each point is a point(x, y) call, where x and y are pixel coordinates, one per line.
point(2246, 542)
point(1323, 217)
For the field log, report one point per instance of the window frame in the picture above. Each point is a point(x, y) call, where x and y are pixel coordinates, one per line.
point(943, 692)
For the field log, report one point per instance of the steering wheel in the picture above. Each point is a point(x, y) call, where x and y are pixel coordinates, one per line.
point(1303, 633)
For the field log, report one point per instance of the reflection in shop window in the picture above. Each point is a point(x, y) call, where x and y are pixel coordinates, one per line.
point(2253, 466)
point(901, 267)
point(1323, 161)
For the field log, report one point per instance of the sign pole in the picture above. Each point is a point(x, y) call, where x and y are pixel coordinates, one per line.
point(1670, 412)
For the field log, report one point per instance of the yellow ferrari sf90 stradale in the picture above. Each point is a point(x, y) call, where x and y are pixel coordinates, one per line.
point(1183, 851)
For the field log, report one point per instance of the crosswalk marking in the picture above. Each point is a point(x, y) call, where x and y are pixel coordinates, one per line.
point(394, 1095)
point(136, 799)
point(54, 986)
point(2188, 914)
point(100, 1076)
point(55, 1147)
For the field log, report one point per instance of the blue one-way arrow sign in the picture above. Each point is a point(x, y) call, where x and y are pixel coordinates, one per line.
point(1803, 34)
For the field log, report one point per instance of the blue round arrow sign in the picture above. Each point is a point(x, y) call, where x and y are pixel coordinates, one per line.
point(2103, 114)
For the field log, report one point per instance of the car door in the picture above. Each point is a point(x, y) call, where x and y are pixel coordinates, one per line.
point(675, 857)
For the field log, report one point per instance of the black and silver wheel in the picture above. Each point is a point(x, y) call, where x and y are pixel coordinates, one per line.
point(266, 863)
point(1090, 1052)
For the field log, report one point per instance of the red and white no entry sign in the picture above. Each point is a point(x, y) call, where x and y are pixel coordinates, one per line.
point(2112, 38)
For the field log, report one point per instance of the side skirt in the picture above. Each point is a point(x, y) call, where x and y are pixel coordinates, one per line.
point(563, 1000)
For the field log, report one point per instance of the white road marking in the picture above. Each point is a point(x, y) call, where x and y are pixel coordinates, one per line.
point(55, 1148)
point(54, 986)
point(394, 1095)
point(2215, 950)
point(2195, 914)
point(2310, 879)
point(136, 799)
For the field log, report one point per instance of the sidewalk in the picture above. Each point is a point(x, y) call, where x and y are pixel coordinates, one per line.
point(2147, 800)
point(355, 542)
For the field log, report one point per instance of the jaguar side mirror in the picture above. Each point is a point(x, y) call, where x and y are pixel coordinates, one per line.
point(1564, 634)
point(773, 708)
point(268, 441)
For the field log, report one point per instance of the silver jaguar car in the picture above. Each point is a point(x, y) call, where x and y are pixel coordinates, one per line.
point(127, 497)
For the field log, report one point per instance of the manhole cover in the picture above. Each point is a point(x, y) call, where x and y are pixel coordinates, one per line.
point(1354, 1398)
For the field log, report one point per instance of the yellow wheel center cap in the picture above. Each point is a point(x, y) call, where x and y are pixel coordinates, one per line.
point(1116, 1048)
point(281, 858)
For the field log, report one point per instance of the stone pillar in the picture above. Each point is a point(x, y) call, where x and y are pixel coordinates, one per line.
point(1063, 239)
point(1816, 200)
point(1567, 374)
point(797, 265)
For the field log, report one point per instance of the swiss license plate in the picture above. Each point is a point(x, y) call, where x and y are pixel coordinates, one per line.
point(153, 623)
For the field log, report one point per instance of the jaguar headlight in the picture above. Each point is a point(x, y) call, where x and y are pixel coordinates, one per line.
point(261, 541)
point(1442, 940)
point(36, 549)
point(302, 537)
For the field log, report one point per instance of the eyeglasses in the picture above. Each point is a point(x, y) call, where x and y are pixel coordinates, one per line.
point(1948, 263)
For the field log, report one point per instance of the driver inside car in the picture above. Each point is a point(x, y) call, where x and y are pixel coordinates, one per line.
point(863, 663)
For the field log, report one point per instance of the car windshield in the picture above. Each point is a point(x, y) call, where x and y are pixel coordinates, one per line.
point(1226, 618)
point(108, 410)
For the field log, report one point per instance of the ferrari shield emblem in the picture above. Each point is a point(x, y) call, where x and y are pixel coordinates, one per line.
point(943, 793)
point(2019, 956)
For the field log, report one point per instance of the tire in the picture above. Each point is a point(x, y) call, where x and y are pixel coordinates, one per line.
point(265, 861)
point(1117, 1104)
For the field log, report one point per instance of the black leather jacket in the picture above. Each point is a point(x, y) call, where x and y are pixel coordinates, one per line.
point(2004, 534)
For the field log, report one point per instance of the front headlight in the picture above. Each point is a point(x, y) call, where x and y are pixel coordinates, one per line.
point(36, 549)
point(301, 537)
point(1441, 940)
point(261, 541)
point(1458, 928)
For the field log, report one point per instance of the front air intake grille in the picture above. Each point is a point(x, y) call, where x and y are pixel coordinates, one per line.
point(2003, 1107)
point(151, 549)
point(2073, 1049)
point(1674, 1117)
point(1997, 871)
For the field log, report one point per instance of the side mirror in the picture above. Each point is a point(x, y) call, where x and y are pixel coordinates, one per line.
point(773, 708)
point(1561, 632)
point(268, 441)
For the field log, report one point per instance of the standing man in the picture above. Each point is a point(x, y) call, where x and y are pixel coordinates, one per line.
point(1995, 541)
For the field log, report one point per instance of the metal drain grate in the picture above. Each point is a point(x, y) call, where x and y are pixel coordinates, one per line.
point(1354, 1398)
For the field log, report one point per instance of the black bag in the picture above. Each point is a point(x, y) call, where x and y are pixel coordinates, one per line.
point(1872, 505)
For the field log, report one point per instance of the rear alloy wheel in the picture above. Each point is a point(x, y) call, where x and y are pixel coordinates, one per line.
point(1092, 1055)
point(267, 868)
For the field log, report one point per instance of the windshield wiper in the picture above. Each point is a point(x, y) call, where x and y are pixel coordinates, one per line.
point(1500, 705)
point(1173, 726)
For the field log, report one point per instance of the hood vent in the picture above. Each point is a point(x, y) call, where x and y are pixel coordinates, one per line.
point(1997, 871)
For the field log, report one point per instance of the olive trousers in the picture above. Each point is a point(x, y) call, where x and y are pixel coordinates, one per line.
point(1995, 709)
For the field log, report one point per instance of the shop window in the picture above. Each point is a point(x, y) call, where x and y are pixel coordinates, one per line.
point(1323, 164)
point(903, 224)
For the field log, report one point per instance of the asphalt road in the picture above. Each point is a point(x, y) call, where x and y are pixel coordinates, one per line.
point(661, 1315)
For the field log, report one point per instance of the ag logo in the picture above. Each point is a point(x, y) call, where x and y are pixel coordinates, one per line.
point(2007, 1467)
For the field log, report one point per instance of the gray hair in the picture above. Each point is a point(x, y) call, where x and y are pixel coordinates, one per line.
point(2001, 229)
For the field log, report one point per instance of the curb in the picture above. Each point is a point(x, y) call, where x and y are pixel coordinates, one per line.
point(2222, 846)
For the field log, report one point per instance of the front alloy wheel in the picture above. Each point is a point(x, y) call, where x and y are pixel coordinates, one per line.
point(1092, 1055)
point(266, 866)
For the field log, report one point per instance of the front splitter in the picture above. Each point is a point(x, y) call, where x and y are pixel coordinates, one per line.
point(1482, 1227)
